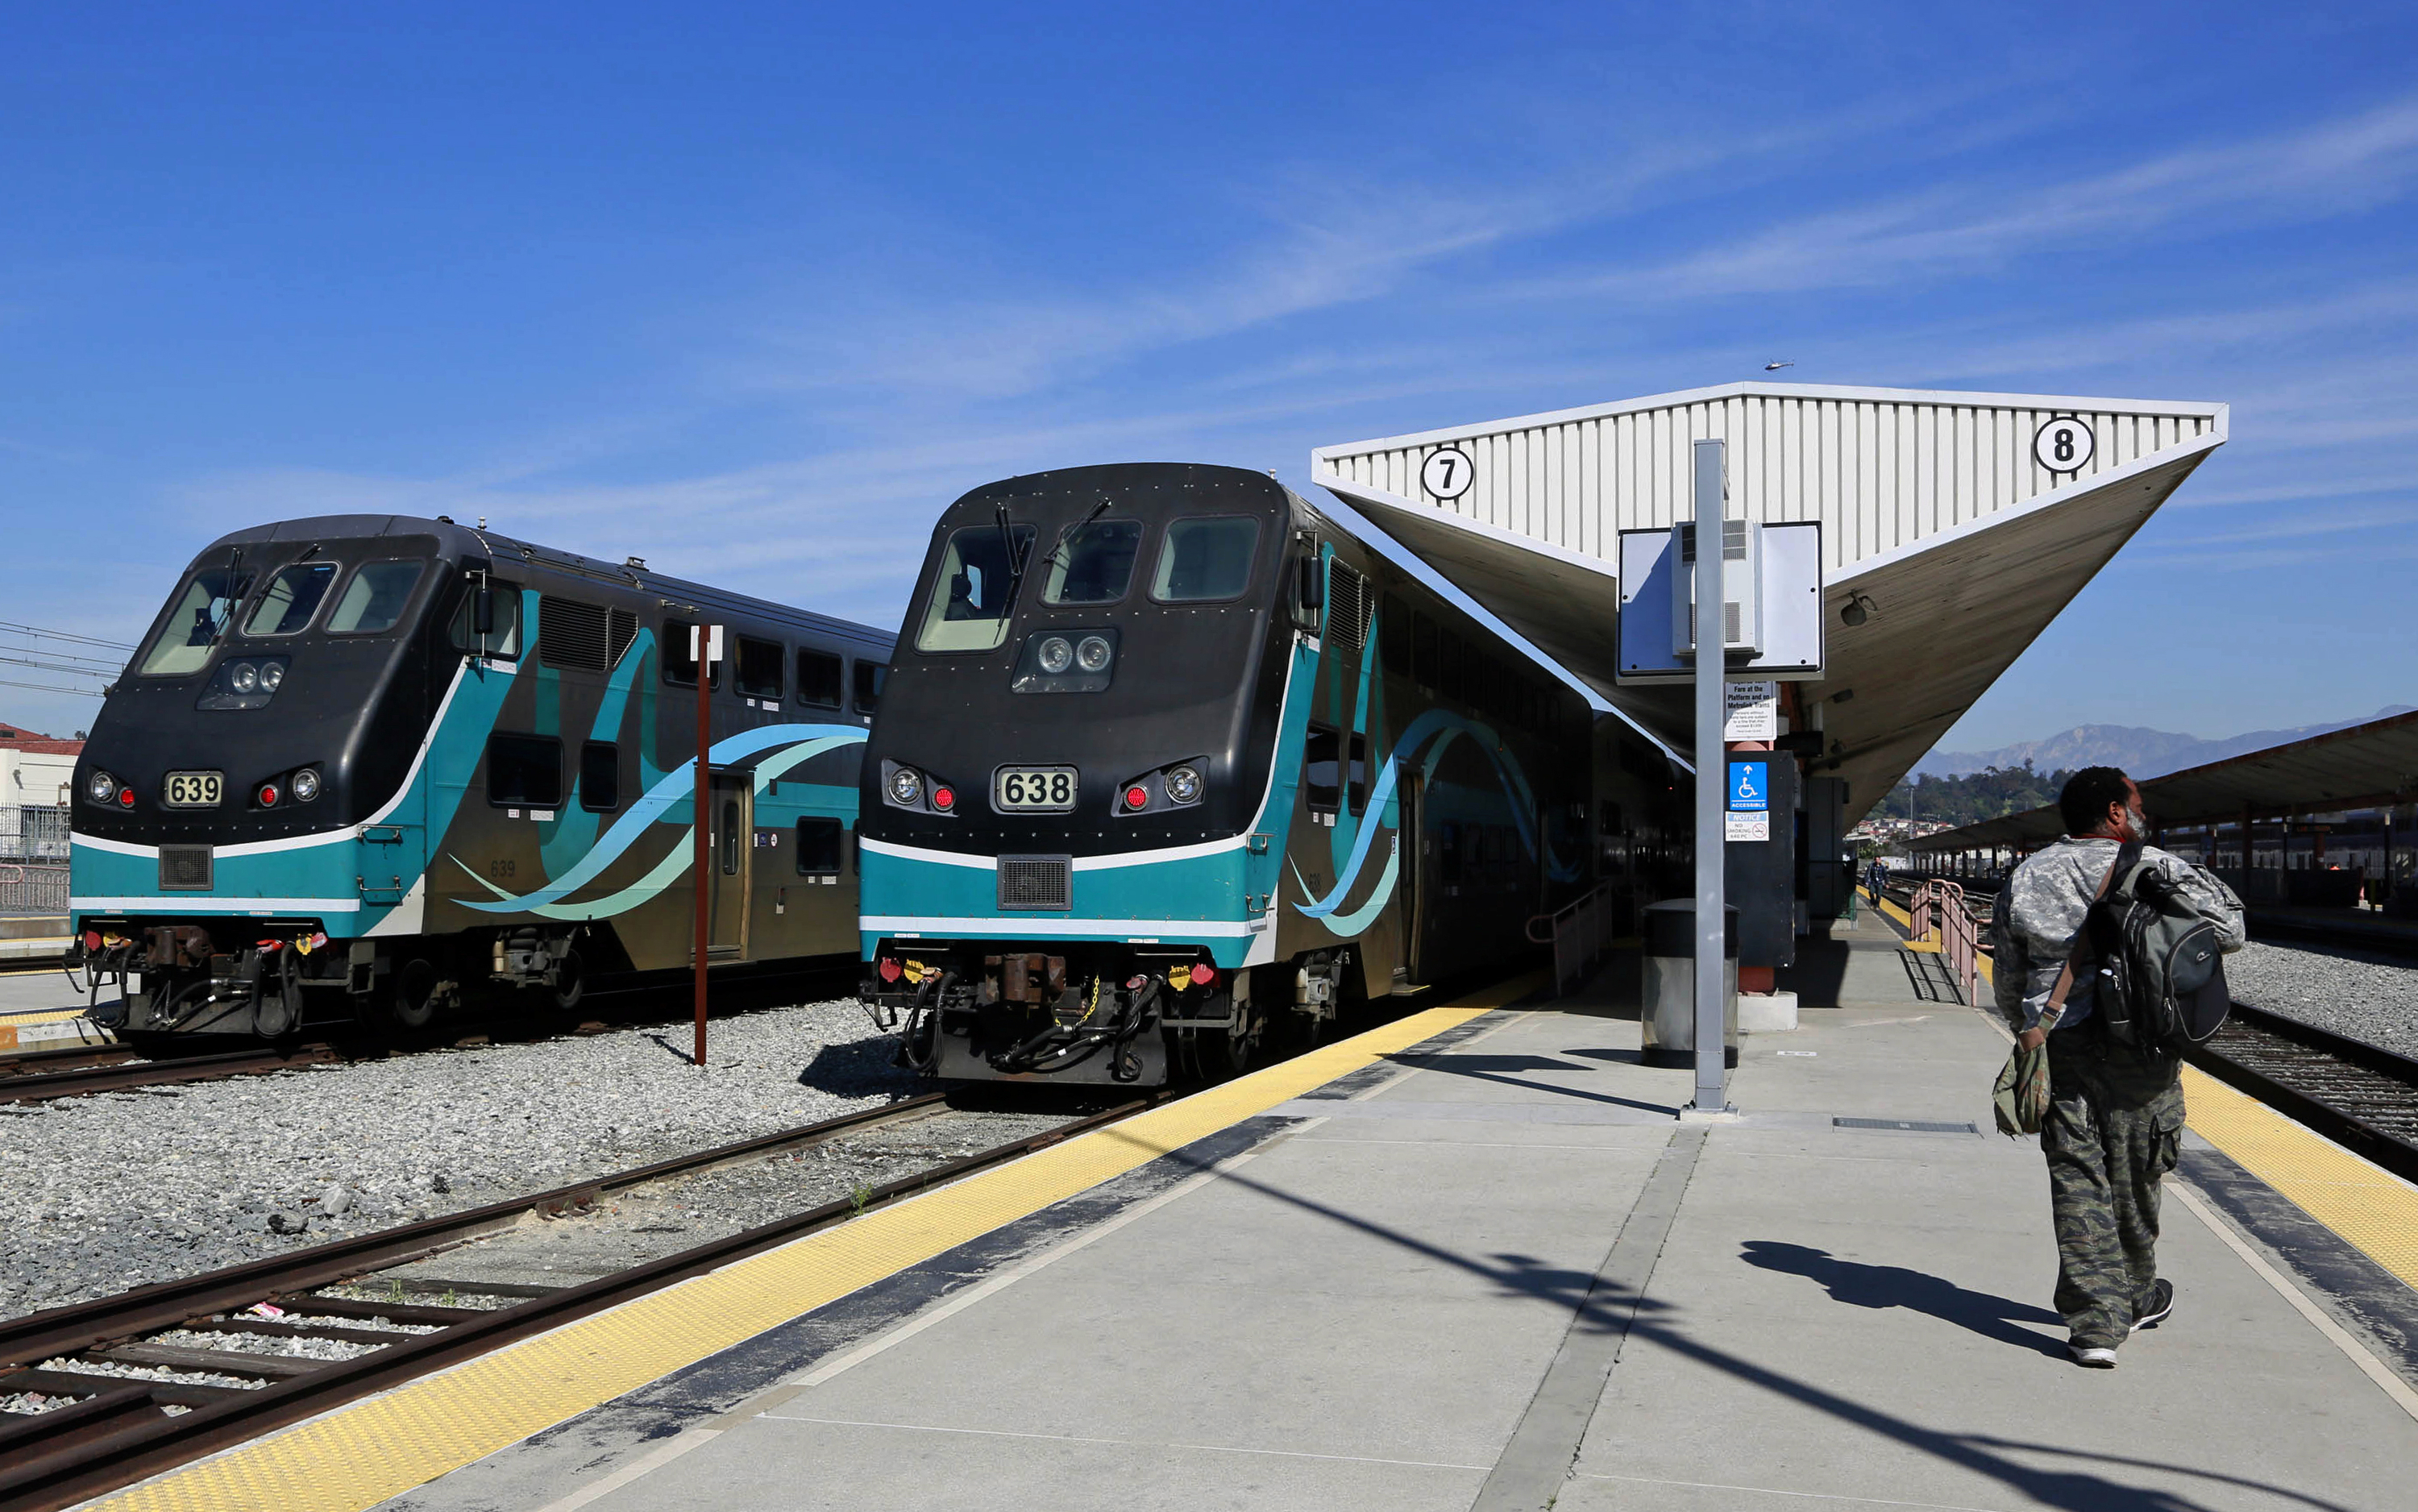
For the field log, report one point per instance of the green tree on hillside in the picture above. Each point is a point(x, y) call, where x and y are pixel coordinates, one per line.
point(1974, 796)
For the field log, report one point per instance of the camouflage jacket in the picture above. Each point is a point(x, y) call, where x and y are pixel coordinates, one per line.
point(2042, 906)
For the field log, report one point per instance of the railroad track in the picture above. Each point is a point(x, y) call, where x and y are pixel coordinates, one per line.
point(123, 1073)
point(65, 1058)
point(121, 1429)
point(2355, 1093)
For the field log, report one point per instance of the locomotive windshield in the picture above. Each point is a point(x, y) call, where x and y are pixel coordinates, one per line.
point(976, 591)
point(204, 608)
point(1096, 564)
point(1205, 560)
point(292, 599)
point(376, 597)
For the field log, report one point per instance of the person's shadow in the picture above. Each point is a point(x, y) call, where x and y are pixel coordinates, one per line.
point(1859, 1285)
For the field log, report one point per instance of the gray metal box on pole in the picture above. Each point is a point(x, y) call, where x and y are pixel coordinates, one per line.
point(1712, 779)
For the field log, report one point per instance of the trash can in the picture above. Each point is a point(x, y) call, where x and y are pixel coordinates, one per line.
point(1669, 1015)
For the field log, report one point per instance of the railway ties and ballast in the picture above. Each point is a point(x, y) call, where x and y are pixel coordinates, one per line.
point(226, 1356)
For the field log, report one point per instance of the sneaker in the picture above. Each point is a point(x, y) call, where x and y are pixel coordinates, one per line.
point(2156, 1305)
point(2096, 1359)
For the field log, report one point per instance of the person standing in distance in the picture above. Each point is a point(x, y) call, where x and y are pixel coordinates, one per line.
point(2115, 1119)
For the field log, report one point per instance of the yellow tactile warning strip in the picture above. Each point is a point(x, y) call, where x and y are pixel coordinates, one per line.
point(2367, 1206)
point(39, 1016)
point(359, 1455)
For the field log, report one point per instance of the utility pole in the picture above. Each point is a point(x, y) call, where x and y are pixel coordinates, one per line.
point(1712, 787)
point(705, 647)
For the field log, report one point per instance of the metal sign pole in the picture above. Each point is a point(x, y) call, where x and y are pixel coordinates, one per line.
point(1712, 783)
point(703, 643)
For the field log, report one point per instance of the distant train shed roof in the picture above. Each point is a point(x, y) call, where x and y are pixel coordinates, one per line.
point(2365, 765)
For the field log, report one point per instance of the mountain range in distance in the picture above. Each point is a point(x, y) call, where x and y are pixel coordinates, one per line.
point(2141, 753)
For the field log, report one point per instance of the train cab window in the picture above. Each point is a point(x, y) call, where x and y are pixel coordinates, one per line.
point(1322, 755)
point(870, 677)
point(1424, 654)
point(292, 598)
point(524, 770)
point(374, 598)
point(503, 640)
point(975, 590)
point(194, 625)
point(760, 669)
point(818, 847)
point(600, 776)
point(821, 678)
point(1205, 560)
point(679, 662)
point(1356, 786)
point(1096, 564)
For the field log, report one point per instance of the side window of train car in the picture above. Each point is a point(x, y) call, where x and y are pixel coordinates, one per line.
point(1205, 560)
point(600, 776)
point(292, 596)
point(818, 847)
point(1322, 754)
point(680, 661)
point(760, 669)
point(871, 676)
point(974, 590)
point(1424, 651)
point(821, 678)
point(1356, 787)
point(1095, 563)
point(524, 770)
point(1394, 636)
point(374, 597)
point(1450, 682)
point(503, 640)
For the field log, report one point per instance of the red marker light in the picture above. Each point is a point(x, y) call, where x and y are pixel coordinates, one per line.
point(1203, 974)
point(1136, 796)
point(268, 795)
point(945, 799)
point(126, 798)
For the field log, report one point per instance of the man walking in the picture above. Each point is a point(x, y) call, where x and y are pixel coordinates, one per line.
point(2116, 1114)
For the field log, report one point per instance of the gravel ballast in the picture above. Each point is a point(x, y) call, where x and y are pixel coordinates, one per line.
point(105, 1193)
point(2354, 993)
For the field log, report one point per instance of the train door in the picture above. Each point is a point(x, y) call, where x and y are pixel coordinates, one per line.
point(733, 857)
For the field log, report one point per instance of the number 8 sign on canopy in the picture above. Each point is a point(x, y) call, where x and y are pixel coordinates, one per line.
point(2064, 444)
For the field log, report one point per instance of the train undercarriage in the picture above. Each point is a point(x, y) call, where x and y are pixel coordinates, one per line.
point(1106, 1014)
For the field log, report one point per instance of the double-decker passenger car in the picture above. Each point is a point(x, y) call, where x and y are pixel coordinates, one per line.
point(365, 766)
point(1170, 758)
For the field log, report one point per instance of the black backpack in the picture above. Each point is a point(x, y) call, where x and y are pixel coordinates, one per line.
point(2160, 973)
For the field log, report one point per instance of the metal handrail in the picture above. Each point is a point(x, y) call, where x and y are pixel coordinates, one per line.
point(1579, 931)
point(1941, 906)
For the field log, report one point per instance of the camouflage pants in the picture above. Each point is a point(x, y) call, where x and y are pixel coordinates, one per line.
point(2113, 1127)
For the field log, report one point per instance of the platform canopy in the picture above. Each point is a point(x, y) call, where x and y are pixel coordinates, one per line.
point(1942, 524)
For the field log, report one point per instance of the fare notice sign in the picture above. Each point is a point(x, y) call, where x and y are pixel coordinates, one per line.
point(1749, 810)
point(1751, 711)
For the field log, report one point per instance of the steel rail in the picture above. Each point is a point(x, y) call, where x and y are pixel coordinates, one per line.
point(42, 1086)
point(64, 1058)
point(2347, 1126)
point(103, 1456)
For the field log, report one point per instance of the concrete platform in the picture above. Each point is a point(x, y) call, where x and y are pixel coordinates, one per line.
point(1491, 1270)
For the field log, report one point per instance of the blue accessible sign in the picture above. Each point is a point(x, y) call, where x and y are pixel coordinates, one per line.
point(1750, 787)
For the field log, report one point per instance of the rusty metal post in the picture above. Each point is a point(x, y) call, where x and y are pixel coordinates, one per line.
point(703, 648)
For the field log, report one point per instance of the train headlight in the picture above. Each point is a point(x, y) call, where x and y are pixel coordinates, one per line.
point(243, 676)
point(101, 787)
point(305, 785)
point(271, 674)
point(905, 786)
point(1183, 784)
point(1055, 655)
point(1093, 654)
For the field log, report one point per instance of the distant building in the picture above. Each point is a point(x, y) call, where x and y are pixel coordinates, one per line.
point(36, 771)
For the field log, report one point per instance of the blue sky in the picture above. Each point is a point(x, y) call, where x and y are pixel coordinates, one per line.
point(753, 292)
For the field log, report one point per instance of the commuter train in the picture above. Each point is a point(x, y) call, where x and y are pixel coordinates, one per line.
point(366, 769)
point(1171, 764)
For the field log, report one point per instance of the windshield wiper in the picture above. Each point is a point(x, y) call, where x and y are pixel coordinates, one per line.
point(1007, 544)
point(1069, 532)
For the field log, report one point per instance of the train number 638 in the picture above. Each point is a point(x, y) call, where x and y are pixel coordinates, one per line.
point(1033, 790)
